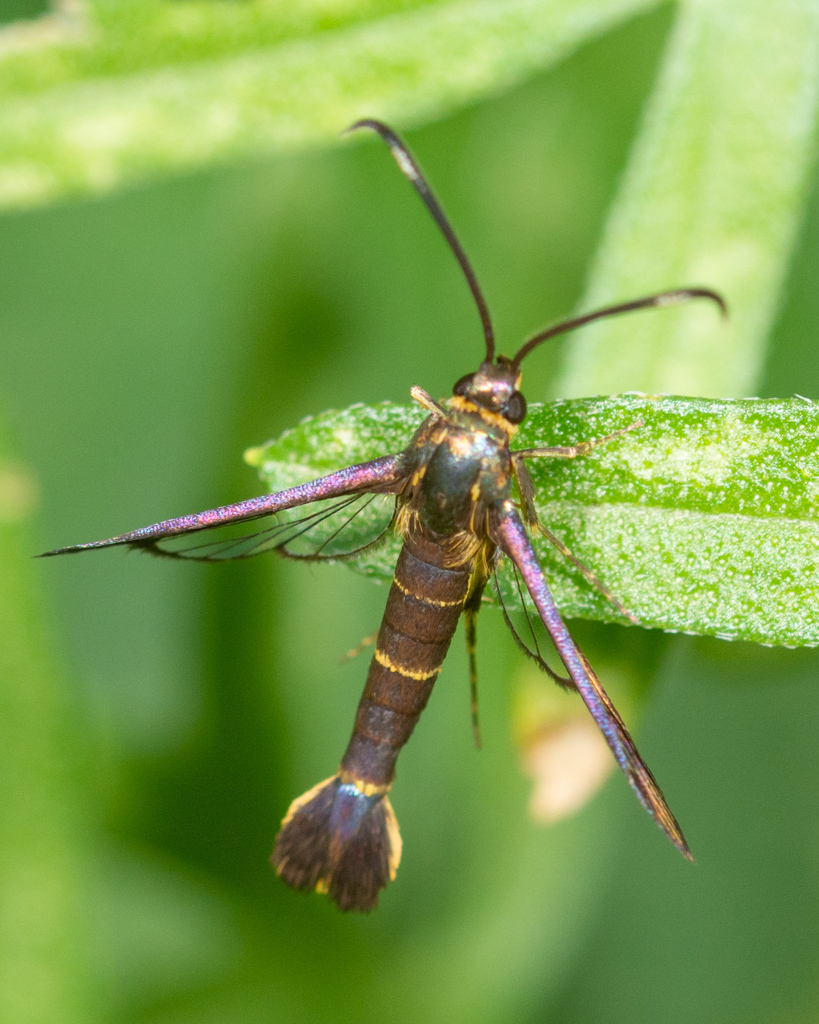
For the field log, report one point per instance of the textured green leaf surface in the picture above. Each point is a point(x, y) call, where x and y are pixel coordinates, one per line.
point(713, 194)
point(120, 90)
point(703, 520)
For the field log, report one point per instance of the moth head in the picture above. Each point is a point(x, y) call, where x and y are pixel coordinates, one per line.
point(494, 386)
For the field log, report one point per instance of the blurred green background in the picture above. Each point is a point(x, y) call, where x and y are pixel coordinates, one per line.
point(147, 339)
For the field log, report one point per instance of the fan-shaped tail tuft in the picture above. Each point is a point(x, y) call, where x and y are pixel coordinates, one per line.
point(339, 840)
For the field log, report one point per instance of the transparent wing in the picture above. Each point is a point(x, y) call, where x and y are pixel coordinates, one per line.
point(535, 654)
point(385, 475)
point(334, 528)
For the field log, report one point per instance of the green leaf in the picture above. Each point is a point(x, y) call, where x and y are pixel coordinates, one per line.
point(713, 195)
point(121, 91)
point(705, 519)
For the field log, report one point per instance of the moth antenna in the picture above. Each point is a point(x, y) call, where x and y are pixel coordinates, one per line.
point(672, 298)
point(410, 169)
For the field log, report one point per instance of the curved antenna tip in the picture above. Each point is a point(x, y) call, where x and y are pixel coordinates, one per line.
point(681, 295)
point(368, 122)
point(659, 300)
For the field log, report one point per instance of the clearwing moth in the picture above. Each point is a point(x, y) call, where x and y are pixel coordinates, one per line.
point(449, 495)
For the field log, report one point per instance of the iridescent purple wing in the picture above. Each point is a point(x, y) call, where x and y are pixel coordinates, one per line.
point(349, 509)
point(327, 530)
point(510, 535)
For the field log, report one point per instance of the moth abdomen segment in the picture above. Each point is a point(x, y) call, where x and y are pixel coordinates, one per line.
point(423, 608)
point(347, 824)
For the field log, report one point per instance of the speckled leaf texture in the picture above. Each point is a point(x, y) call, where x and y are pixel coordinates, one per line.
point(704, 520)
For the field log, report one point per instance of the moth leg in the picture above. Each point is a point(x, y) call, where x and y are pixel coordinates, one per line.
point(573, 451)
point(472, 606)
point(530, 517)
point(354, 652)
point(427, 402)
point(471, 622)
point(527, 491)
point(587, 574)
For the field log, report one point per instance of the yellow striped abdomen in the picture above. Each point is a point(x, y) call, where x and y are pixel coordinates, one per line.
point(341, 837)
point(423, 608)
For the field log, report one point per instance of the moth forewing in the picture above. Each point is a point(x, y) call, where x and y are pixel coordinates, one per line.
point(379, 476)
point(509, 533)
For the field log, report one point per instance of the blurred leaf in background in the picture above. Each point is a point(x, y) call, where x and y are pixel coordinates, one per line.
point(150, 336)
point(101, 92)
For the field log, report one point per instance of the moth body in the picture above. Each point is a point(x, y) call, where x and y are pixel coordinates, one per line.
point(454, 508)
point(452, 471)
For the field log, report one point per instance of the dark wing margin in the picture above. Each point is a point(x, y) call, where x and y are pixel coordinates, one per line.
point(324, 530)
point(509, 533)
point(385, 475)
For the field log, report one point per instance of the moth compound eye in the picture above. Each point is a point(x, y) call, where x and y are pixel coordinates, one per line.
point(516, 408)
point(462, 386)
